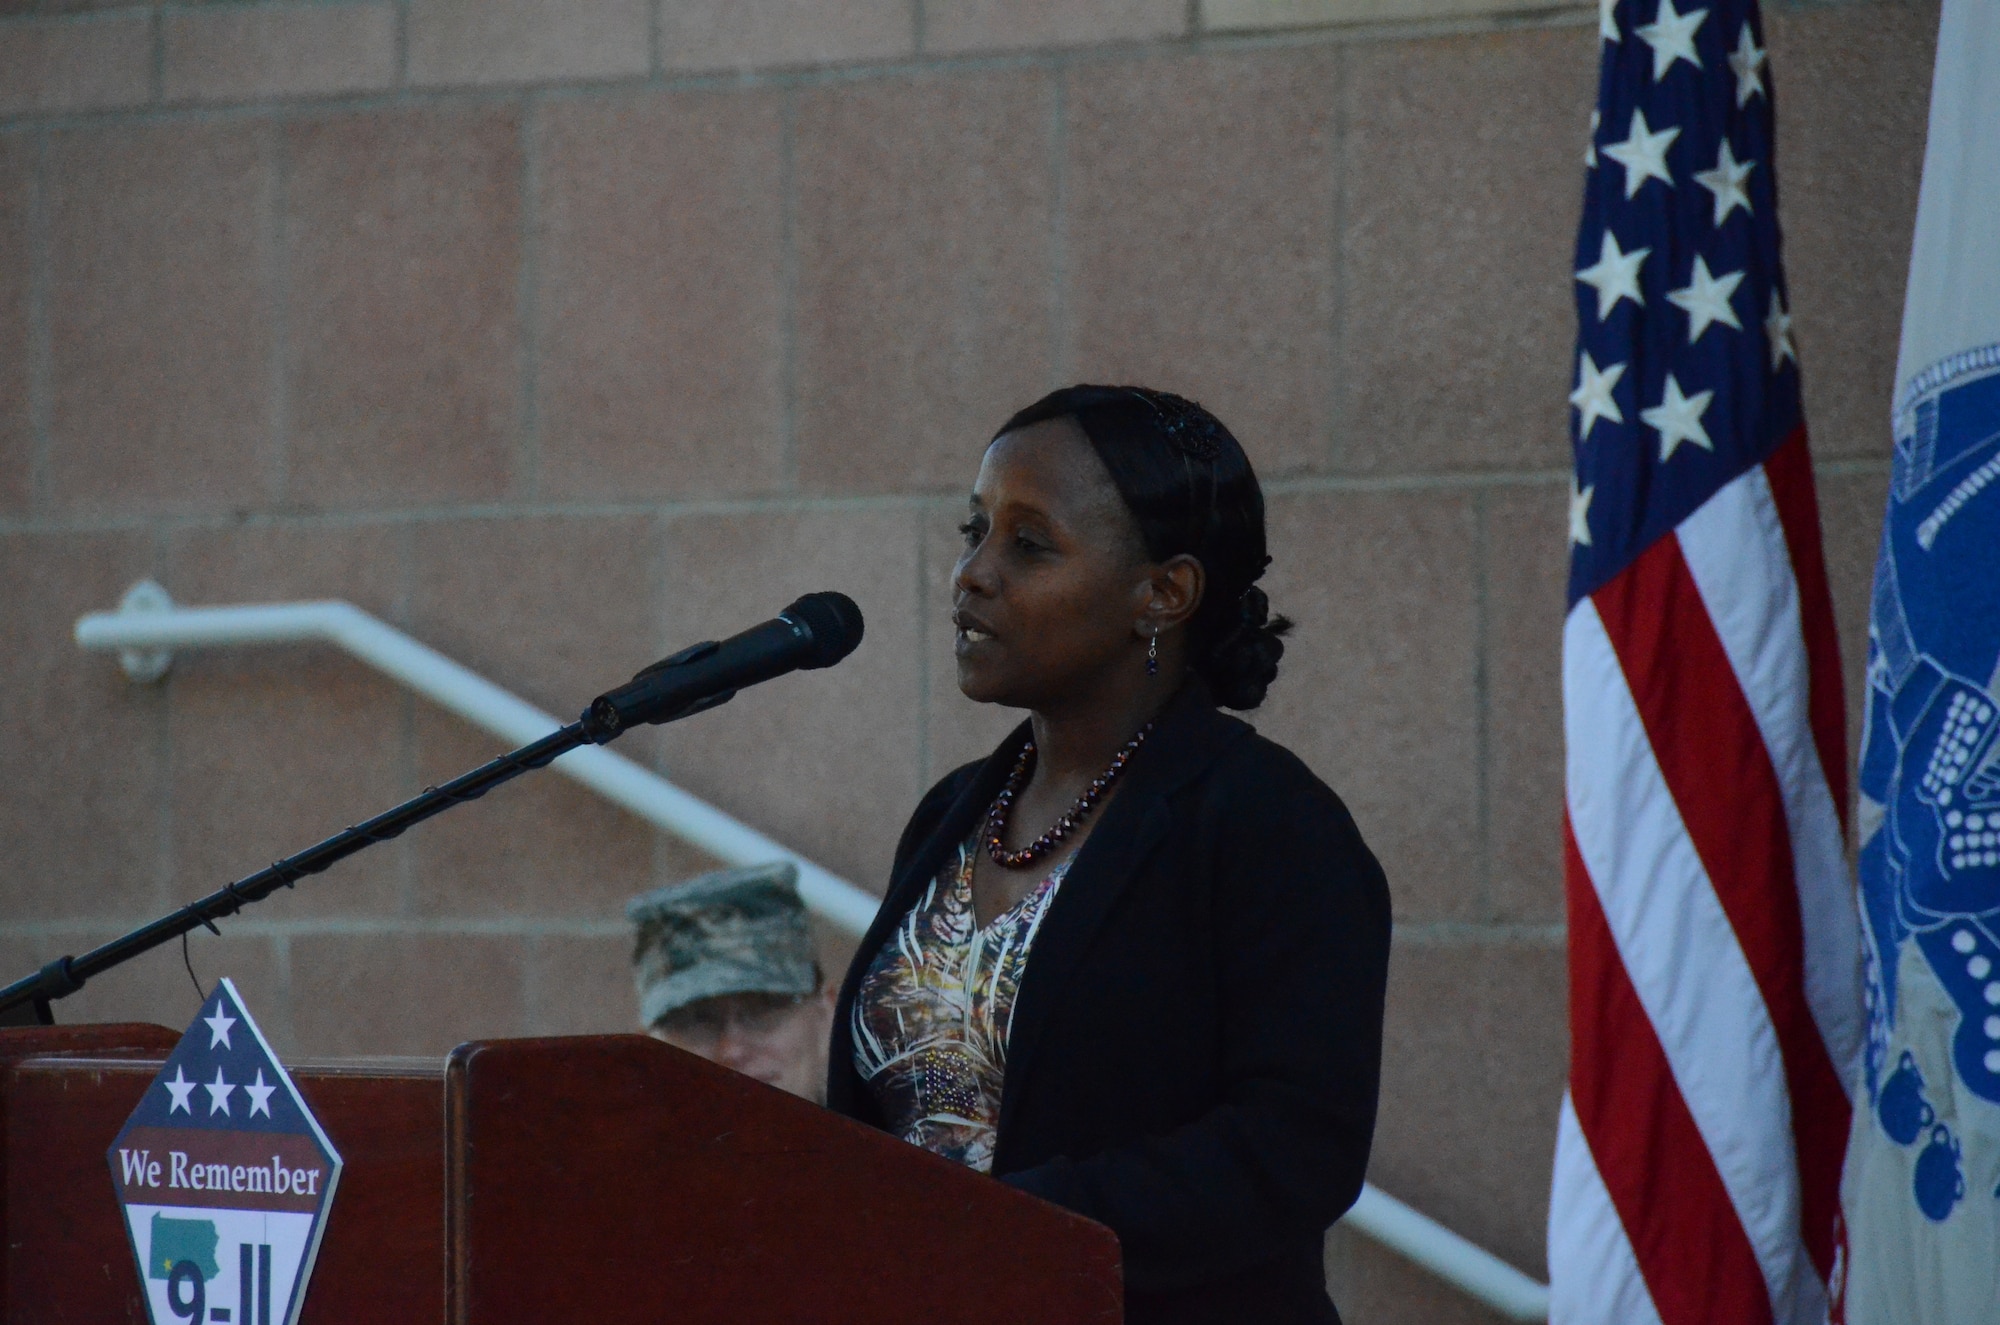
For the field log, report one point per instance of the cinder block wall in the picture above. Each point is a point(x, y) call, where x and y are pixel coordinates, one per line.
point(562, 332)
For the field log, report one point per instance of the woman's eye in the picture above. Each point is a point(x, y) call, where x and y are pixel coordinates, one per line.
point(1027, 544)
point(970, 532)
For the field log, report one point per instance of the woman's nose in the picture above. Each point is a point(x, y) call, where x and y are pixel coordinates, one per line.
point(972, 574)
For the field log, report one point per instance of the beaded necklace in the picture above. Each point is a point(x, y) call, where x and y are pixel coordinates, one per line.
point(996, 818)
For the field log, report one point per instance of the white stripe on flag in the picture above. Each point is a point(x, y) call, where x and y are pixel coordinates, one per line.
point(1594, 1278)
point(1681, 953)
point(1735, 550)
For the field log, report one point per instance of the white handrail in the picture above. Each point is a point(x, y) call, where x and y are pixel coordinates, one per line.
point(149, 622)
point(148, 626)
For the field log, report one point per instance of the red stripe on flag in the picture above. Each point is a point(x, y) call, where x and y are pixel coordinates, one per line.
point(1706, 741)
point(1790, 473)
point(1690, 1245)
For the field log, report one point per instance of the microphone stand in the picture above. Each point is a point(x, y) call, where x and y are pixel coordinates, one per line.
point(816, 631)
point(34, 995)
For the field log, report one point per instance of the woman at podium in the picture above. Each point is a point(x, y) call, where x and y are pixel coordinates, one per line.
point(1132, 962)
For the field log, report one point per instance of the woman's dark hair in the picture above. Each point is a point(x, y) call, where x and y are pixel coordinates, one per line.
point(1189, 486)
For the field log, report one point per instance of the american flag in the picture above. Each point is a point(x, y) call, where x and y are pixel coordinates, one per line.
point(1715, 1006)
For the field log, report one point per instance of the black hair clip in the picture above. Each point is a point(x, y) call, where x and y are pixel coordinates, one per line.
point(1192, 429)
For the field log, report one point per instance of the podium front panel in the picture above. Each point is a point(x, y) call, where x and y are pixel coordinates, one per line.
point(68, 1258)
point(616, 1180)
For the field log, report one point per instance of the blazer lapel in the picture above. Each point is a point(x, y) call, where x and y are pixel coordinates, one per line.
point(1187, 738)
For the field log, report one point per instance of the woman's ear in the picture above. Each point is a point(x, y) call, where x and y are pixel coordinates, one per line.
point(1177, 585)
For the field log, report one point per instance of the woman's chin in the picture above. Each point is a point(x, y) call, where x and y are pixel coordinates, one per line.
point(980, 684)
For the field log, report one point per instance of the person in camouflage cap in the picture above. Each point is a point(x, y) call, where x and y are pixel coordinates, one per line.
point(725, 969)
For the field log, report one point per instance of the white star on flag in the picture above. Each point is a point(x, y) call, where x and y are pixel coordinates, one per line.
point(1615, 275)
point(180, 1088)
point(218, 1028)
point(1643, 153)
point(1677, 418)
point(1725, 181)
point(1778, 332)
point(1706, 299)
point(1607, 19)
point(260, 1096)
point(1671, 35)
point(1747, 62)
point(1593, 395)
point(218, 1094)
point(1590, 151)
point(1579, 512)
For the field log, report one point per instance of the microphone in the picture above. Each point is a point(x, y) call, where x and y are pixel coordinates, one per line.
point(817, 631)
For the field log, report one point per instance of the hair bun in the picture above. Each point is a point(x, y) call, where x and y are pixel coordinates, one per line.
point(1243, 663)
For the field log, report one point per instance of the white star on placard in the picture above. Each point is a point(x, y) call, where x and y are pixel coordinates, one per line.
point(218, 1094)
point(1678, 419)
point(218, 1028)
point(1607, 19)
point(1747, 62)
point(1590, 151)
point(1593, 394)
point(1778, 333)
point(1579, 513)
point(1643, 154)
point(1671, 35)
point(1725, 181)
point(1706, 299)
point(260, 1096)
point(180, 1088)
point(1614, 275)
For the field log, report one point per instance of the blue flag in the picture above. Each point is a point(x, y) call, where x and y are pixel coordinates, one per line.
point(1921, 1193)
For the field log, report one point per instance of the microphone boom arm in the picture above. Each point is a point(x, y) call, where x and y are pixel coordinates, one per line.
point(66, 975)
point(816, 631)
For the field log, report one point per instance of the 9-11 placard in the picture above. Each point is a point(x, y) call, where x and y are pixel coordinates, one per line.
point(225, 1178)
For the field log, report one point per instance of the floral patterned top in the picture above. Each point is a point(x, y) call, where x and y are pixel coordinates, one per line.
point(933, 1013)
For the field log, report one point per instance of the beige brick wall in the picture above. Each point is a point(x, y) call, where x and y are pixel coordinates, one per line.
point(561, 332)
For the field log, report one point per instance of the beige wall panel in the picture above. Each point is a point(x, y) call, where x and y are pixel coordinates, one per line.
point(403, 253)
point(1255, 15)
point(243, 54)
point(101, 63)
point(17, 174)
point(320, 745)
point(1526, 553)
point(825, 761)
point(80, 749)
point(1852, 88)
point(756, 34)
point(159, 317)
point(581, 986)
point(1476, 1053)
point(1373, 1284)
point(1376, 691)
point(156, 987)
point(1199, 238)
point(659, 301)
point(520, 41)
point(405, 993)
point(1462, 177)
point(959, 26)
point(541, 846)
point(925, 286)
point(1851, 506)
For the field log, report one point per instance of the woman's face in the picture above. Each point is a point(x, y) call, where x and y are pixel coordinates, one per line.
point(1053, 581)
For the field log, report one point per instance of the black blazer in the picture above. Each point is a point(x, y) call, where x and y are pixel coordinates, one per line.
point(1197, 1038)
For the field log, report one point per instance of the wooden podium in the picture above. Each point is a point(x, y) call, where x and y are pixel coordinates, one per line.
point(604, 1179)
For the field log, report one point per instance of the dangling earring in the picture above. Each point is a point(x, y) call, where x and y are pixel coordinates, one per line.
point(1153, 655)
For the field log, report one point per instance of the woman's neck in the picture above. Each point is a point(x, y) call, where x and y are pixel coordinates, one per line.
point(1076, 743)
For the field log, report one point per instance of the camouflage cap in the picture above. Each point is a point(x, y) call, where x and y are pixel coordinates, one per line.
point(740, 931)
